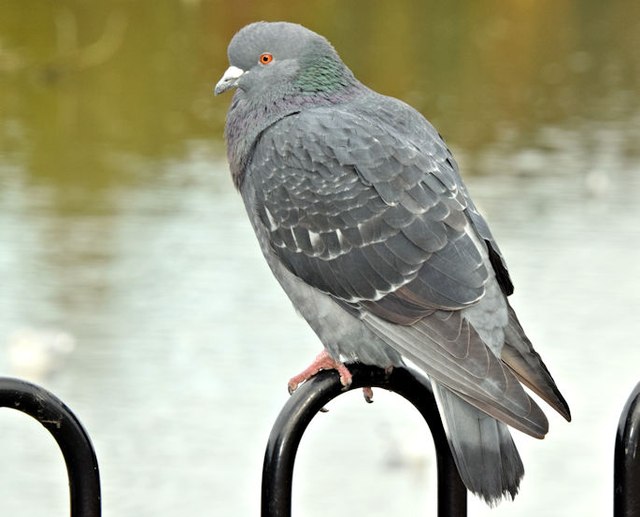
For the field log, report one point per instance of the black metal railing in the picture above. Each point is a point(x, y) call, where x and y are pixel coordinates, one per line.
point(73, 440)
point(626, 472)
point(287, 432)
point(312, 396)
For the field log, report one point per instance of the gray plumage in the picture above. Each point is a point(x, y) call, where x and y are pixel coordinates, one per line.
point(364, 220)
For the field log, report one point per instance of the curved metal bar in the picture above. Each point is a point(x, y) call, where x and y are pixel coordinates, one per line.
point(73, 440)
point(626, 473)
point(312, 396)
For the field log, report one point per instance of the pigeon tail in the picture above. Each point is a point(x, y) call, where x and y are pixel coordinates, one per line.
point(482, 447)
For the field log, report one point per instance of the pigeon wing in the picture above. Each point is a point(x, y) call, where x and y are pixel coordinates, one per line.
point(366, 217)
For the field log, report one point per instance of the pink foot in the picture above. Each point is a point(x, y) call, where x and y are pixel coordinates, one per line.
point(323, 362)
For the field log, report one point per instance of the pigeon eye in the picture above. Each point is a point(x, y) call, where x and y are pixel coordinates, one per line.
point(265, 58)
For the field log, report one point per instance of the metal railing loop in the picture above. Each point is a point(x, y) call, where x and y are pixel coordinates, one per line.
point(312, 396)
point(72, 439)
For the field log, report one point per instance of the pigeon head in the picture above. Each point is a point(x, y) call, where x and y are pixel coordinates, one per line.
point(275, 60)
point(277, 69)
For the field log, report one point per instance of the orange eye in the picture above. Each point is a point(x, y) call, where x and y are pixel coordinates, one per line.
point(265, 58)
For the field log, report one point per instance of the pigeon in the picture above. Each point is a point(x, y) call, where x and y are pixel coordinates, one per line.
point(360, 211)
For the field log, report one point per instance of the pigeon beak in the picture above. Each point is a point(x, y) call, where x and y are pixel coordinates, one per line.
point(229, 79)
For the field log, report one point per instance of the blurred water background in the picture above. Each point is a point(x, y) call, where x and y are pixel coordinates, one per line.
point(131, 285)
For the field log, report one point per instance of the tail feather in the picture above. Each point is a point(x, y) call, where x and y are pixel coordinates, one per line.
point(483, 449)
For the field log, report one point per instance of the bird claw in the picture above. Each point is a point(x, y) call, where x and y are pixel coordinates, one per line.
point(322, 362)
point(325, 362)
point(292, 386)
point(368, 394)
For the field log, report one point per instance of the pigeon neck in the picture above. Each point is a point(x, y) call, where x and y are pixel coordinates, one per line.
point(323, 74)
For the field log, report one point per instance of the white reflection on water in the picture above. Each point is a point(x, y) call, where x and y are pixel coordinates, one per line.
point(184, 343)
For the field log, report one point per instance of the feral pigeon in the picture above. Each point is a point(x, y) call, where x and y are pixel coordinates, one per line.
point(362, 216)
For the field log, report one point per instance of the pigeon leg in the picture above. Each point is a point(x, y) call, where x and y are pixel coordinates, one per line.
point(323, 362)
